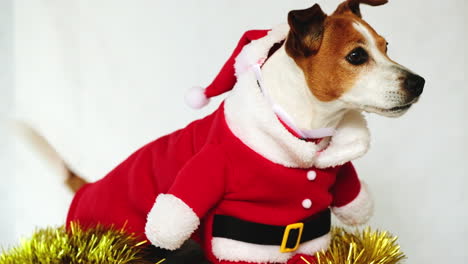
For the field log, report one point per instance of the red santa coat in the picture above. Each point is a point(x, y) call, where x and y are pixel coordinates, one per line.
point(213, 172)
point(205, 170)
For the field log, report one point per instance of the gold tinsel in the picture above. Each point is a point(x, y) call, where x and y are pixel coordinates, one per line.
point(98, 245)
point(361, 247)
point(101, 245)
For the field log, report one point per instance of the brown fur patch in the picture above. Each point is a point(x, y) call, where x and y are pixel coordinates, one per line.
point(326, 71)
point(306, 31)
point(354, 6)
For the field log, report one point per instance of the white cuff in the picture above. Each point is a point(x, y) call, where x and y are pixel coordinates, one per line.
point(170, 222)
point(358, 211)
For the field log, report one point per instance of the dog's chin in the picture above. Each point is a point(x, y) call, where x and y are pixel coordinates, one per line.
point(388, 112)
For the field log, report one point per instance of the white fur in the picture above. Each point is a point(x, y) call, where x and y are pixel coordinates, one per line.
point(357, 212)
point(286, 84)
point(170, 222)
point(294, 78)
point(250, 117)
point(196, 98)
point(378, 89)
point(252, 120)
point(233, 250)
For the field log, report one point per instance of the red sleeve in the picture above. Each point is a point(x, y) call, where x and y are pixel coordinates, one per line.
point(200, 183)
point(346, 187)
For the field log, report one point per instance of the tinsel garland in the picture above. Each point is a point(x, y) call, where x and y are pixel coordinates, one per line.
point(101, 245)
point(98, 245)
point(361, 247)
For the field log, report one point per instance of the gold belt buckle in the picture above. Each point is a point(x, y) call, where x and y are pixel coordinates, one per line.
point(283, 248)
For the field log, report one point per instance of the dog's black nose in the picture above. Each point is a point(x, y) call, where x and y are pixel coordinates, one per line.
point(414, 84)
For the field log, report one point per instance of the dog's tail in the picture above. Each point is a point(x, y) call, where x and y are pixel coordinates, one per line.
point(48, 152)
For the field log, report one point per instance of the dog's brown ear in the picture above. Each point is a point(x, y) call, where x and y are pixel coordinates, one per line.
point(306, 30)
point(353, 6)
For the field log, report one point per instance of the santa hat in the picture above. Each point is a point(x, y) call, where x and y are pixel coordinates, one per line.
point(197, 97)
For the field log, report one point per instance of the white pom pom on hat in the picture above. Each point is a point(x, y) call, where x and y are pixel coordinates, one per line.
point(196, 98)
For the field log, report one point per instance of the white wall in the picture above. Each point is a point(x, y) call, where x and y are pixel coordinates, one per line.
point(6, 101)
point(5, 57)
point(101, 78)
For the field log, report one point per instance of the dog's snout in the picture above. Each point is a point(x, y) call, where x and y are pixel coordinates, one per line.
point(414, 84)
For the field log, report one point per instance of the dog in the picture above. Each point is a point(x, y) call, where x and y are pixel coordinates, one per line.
point(256, 181)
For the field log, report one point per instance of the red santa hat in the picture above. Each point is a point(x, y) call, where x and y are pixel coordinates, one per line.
point(197, 97)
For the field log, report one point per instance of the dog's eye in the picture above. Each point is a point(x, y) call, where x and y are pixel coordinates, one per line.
point(386, 47)
point(358, 56)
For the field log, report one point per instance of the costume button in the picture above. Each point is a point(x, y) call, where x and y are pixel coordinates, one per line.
point(311, 175)
point(307, 203)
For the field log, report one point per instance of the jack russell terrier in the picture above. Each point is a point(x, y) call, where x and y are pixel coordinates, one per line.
point(257, 180)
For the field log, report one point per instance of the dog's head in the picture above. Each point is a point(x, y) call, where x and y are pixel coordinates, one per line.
point(345, 60)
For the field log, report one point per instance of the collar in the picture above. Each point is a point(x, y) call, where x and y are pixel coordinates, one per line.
point(294, 133)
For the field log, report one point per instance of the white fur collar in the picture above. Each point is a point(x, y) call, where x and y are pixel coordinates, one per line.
point(251, 119)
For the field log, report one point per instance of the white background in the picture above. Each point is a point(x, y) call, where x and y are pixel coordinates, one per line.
point(100, 78)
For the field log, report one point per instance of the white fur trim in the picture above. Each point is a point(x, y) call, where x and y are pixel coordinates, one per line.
point(233, 250)
point(251, 118)
point(318, 244)
point(196, 98)
point(170, 222)
point(257, 50)
point(357, 212)
point(351, 141)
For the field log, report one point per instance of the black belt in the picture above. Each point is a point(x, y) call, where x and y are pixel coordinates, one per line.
point(287, 237)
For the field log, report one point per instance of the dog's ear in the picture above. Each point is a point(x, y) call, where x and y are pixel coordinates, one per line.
point(306, 30)
point(353, 6)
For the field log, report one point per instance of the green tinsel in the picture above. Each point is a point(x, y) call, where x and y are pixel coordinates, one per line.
point(101, 245)
point(98, 245)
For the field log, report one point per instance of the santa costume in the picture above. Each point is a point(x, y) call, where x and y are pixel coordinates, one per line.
point(243, 181)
